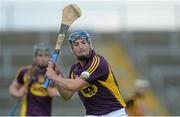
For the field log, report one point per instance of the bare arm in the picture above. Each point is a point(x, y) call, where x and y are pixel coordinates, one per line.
point(52, 91)
point(67, 87)
point(65, 94)
point(70, 84)
point(16, 90)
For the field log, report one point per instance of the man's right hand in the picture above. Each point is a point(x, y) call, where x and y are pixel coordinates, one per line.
point(51, 73)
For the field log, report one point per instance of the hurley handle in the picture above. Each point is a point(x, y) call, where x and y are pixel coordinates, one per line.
point(55, 57)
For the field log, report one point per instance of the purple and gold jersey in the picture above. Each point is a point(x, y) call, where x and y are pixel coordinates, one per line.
point(102, 95)
point(36, 102)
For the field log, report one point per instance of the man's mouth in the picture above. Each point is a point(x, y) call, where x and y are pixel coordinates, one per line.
point(81, 51)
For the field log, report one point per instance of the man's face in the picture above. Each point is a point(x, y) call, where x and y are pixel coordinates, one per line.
point(42, 58)
point(81, 47)
point(141, 91)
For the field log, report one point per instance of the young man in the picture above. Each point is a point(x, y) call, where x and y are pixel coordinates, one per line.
point(92, 78)
point(36, 101)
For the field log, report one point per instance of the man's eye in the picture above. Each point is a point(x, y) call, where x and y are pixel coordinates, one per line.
point(40, 55)
point(83, 42)
point(75, 44)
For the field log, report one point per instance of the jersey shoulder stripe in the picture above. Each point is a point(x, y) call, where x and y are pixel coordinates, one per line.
point(23, 70)
point(94, 65)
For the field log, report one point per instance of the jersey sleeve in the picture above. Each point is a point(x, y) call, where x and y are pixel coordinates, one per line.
point(97, 69)
point(20, 75)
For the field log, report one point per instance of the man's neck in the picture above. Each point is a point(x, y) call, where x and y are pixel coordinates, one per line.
point(40, 68)
point(82, 63)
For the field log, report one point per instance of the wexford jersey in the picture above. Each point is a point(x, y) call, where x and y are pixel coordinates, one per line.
point(102, 95)
point(36, 102)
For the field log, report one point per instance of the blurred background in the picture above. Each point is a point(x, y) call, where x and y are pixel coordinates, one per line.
point(139, 38)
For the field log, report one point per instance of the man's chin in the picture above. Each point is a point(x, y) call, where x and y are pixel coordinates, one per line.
point(42, 65)
point(83, 57)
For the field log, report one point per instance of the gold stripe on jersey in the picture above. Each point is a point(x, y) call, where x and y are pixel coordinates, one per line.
point(24, 106)
point(111, 85)
point(94, 64)
point(98, 61)
point(24, 102)
point(72, 75)
point(25, 79)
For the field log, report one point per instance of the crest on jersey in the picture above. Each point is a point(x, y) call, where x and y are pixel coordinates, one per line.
point(37, 90)
point(41, 79)
point(89, 90)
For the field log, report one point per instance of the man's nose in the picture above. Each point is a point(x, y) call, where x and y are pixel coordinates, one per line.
point(80, 46)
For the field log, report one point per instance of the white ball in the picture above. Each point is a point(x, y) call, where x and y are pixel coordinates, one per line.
point(85, 74)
